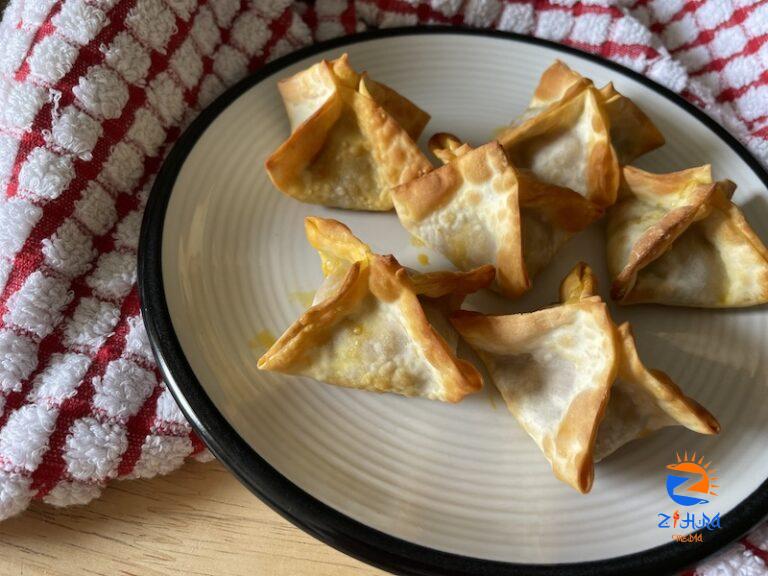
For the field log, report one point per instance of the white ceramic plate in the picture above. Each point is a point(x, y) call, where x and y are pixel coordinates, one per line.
point(412, 485)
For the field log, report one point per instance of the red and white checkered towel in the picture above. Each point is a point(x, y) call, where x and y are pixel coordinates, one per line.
point(92, 95)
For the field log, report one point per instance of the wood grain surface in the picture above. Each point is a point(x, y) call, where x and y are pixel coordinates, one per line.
point(197, 521)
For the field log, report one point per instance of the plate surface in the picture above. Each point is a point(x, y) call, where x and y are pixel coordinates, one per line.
point(400, 482)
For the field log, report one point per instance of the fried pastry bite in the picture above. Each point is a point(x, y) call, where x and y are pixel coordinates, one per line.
point(477, 209)
point(677, 239)
point(568, 144)
point(574, 381)
point(642, 400)
point(632, 132)
point(352, 139)
point(376, 327)
point(577, 136)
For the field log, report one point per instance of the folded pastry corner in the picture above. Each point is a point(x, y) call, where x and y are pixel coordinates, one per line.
point(632, 132)
point(557, 83)
point(554, 369)
point(577, 136)
point(468, 210)
point(352, 139)
point(568, 144)
point(477, 209)
point(447, 147)
point(643, 401)
point(574, 381)
point(678, 239)
point(373, 326)
point(409, 116)
point(579, 284)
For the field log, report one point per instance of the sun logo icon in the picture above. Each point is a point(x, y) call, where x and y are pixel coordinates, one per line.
point(698, 476)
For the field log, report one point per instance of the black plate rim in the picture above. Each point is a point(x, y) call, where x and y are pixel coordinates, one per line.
point(321, 521)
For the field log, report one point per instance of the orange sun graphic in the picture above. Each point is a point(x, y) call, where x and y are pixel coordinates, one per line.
point(706, 484)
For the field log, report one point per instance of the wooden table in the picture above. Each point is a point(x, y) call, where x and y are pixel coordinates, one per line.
point(198, 520)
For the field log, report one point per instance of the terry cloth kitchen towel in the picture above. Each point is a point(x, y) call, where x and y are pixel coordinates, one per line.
point(92, 95)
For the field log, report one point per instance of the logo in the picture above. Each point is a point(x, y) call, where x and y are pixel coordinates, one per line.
point(689, 480)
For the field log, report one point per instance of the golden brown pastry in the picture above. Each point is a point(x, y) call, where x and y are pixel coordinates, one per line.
point(568, 144)
point(477, 209)
point(641, 400)
point(351, 140)
point(574, 380)
point(678, 239)
point(632, 132)
point(576, 136)
point(375, 327)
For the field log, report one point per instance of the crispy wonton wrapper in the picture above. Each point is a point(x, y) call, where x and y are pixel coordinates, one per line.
point(568, 144)
point(632, 132)
point(576, 136)
point(677, 239)
point(352, 139)
point(373, 326)
point(477, 209)
point(574, 380)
